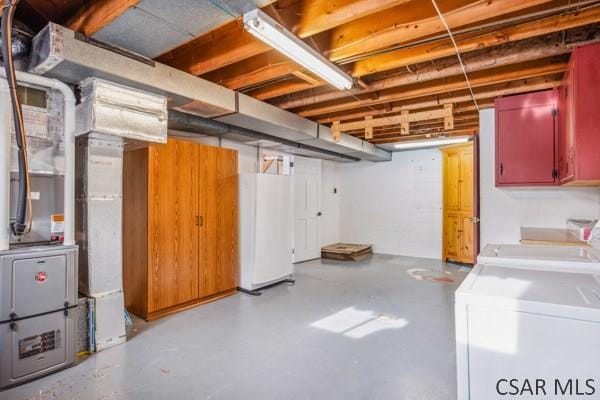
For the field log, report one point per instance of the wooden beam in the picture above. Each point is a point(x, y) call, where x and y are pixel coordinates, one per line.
point(405, 117)
point(277, 89)
point(415, 20)
point(405, 124)
point(96, 14)
point(254, 70)
point(469, 131)
point(223, 46)
point(515, 87)
point(448, 118)
point(335, 130)
point(305, 76)
point(459, 119)
point(322, 15)
point(480, 60)
point(500, 75)
point(369, 127)
point(438, 49)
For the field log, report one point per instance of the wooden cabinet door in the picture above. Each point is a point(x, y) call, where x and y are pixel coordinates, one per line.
point(227, 229)
point(526, 130)
point(565, 128)
point(585, 106)
point(217, 172)
point(173, 238)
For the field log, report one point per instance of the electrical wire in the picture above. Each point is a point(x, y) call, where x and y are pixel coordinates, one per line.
point(19, 227)
point(462, 65)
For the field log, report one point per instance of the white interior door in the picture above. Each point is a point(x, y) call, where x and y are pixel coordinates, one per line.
point(307, 195)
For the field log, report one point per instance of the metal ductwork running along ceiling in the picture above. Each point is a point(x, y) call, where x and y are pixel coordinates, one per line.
point(63, 54)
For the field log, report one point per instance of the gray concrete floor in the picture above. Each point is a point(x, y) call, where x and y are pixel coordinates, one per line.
point(346, 330)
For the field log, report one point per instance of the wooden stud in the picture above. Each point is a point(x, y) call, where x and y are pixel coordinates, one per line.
point(368, 127)
point(335, 129)
point(449, 118)
point(405, 123)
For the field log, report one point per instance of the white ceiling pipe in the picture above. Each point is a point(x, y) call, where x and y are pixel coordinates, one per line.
point(69, 144)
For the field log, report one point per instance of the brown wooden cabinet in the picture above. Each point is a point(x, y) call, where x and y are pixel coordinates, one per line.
point(179, 226)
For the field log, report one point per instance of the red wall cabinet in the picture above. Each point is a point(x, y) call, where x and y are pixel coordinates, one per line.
point(579, 128)
point(526, 137)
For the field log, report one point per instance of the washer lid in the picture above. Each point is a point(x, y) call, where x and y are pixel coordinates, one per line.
point(568, 258)
point(550, 292)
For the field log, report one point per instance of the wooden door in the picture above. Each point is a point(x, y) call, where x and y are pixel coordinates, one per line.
point(458, 208)
point(173, 238)
point(217, 220)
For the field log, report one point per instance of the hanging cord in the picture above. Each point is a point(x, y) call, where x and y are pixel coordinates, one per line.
point(19, 227)
point(462, 65)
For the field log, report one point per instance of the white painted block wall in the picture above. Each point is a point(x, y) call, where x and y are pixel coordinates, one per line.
point(505, 210)
point(330, 202)
point(396, 205)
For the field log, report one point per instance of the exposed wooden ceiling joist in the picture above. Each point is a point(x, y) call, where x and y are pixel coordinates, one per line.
point(484, 59)
point(414, 20)
point(96, 14)
point(498, 75)
point(510, 88)
point(465, 131)
point(321, 15)
point(248, 74)
point(223, 46)
point(439, 49)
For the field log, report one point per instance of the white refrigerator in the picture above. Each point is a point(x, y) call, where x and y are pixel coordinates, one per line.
point(266, 229)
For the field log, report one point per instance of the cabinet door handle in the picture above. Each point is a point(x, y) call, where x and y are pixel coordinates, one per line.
point(501, 168)
point(199, 220)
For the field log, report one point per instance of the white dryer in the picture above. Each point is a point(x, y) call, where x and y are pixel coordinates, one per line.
point(527, 328)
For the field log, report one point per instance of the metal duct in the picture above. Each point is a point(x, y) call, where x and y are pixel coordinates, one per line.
point(190, 123)
point(61, 53)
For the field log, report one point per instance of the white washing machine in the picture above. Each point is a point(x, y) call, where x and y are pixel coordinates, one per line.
point(531, 330)
point(559, 258)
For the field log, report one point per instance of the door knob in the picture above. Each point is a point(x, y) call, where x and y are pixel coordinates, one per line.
point(319, 214)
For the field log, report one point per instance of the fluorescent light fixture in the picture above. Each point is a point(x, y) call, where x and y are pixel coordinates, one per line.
point(431, 143)
point(269, 31)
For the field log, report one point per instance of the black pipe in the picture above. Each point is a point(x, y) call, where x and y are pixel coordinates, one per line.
point(19, 227)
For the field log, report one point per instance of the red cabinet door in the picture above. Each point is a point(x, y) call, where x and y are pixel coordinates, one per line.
point(526, 129)
point(585, 109)
point(566, 165)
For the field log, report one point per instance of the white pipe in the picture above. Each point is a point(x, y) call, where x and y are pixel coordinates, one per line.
point(5, 123)
point(69, 143)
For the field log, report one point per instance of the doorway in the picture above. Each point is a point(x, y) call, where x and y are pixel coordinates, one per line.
point(307, 195)
point(460, 203)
